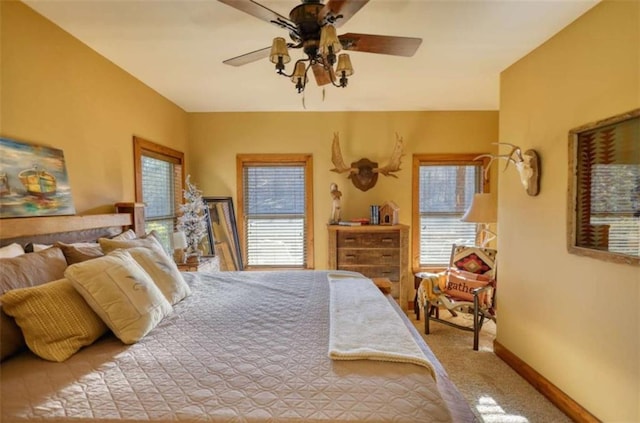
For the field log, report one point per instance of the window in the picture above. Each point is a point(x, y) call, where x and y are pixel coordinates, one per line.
point(604, 189)
point(159, 174)
point(444, 187)
point(275, 204)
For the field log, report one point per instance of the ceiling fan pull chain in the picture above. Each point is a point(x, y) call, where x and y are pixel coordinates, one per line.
point(323, 92)
point(304, 106)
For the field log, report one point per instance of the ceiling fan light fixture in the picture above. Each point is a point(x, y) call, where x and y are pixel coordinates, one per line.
point(344, 65)
point(299, 76)
point(329, 43)
point(279, 53)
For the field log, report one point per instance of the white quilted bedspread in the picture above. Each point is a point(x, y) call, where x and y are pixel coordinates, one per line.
point(244, 347)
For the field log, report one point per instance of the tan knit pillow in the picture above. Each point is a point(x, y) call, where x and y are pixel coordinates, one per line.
point(20, 272)
point(163, 271)
point(55, 320)
point(119, 290)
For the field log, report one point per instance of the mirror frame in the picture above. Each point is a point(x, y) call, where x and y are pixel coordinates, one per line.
point(572, 200)
point(227, 245)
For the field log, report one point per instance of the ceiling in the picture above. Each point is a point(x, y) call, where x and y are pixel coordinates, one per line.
point(177, 47)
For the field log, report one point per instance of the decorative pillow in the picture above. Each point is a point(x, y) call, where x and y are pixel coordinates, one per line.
point(80, 251)
point(126, 235)
point(20, 272)
point(34, 248)
point(55, 320)
point(11, 250)
point(109, 245)
point(163, 271)
point(121, 293)
point(460, 287)
point(475, 260)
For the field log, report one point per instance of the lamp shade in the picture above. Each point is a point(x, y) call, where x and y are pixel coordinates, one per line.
point(329, 42)
point(179, 240)
point(344, 65)
point(482, 209)
point(279, 50)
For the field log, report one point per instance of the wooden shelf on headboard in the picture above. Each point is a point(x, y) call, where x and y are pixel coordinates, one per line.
point(28, 226)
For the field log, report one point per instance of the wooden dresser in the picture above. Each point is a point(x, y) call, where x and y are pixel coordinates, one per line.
point(376, 251)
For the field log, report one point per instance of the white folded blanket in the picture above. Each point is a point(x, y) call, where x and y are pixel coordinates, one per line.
point(364, 325)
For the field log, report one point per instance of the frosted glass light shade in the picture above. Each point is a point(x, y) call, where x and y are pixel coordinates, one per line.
point(279, 49)
point(344, 65)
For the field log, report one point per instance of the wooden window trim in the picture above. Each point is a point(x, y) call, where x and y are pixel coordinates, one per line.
point(445, 159)
point(245, 160)
point(147, 148)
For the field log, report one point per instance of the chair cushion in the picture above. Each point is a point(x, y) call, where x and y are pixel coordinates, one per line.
point(460, 285)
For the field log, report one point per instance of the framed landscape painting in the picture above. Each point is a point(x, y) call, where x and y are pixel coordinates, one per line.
point(33, 181)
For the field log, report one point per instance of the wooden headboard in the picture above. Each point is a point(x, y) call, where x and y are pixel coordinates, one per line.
point(86, 228)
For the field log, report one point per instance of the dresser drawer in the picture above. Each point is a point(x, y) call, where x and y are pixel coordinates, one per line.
point(393, 273)
point(377, 256)
point(368, 240)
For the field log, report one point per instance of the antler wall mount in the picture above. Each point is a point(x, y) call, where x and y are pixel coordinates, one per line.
point(527, 164)
point(364, 173)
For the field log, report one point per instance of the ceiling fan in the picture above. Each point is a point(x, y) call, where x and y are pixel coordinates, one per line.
point(311, 26)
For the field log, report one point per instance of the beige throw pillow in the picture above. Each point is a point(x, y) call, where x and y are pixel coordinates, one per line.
point(119, 290)
point(55, 320)
point(163, 271)
point(80, 251)
point(109, 245)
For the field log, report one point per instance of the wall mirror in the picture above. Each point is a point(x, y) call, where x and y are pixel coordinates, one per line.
point(207, 244)
point(604, 189)
point(225, 232)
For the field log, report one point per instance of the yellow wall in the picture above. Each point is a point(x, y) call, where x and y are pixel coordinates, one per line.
point(216, 138)
point(576, 320)
point(55, 91)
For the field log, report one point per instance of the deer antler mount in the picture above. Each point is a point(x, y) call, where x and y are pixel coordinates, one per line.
point(527, 164)
point(364, 172)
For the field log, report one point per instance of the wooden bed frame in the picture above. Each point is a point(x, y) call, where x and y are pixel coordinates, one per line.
point(78, 228)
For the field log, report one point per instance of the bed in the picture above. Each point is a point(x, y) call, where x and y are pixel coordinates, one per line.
point(241, 347)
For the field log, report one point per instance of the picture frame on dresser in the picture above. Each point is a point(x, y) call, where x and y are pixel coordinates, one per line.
point(224, 232)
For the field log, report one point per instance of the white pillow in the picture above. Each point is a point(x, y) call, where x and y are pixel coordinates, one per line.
point(40, 247)
point(11, 250)
point(119, 290)
point(163, 271)
point(126, 235)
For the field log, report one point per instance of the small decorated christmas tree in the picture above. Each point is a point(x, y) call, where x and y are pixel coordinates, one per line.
point(192, 220)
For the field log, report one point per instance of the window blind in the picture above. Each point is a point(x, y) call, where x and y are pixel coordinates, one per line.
point(445, 194)
point(274, 215)
point(615, 195)
point(161, 184)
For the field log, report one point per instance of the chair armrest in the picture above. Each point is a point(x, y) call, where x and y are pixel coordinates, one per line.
point(478, 291)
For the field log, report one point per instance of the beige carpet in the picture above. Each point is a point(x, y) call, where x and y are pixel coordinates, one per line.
point(496, 393)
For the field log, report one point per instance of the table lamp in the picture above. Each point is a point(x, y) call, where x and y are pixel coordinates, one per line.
point(179, 244)
point(483, 211)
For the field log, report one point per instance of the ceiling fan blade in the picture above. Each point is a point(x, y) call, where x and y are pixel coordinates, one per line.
point(249, 57)
point(334, 8)
point(322, 76)
point(254, 8)
point(381, 44)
